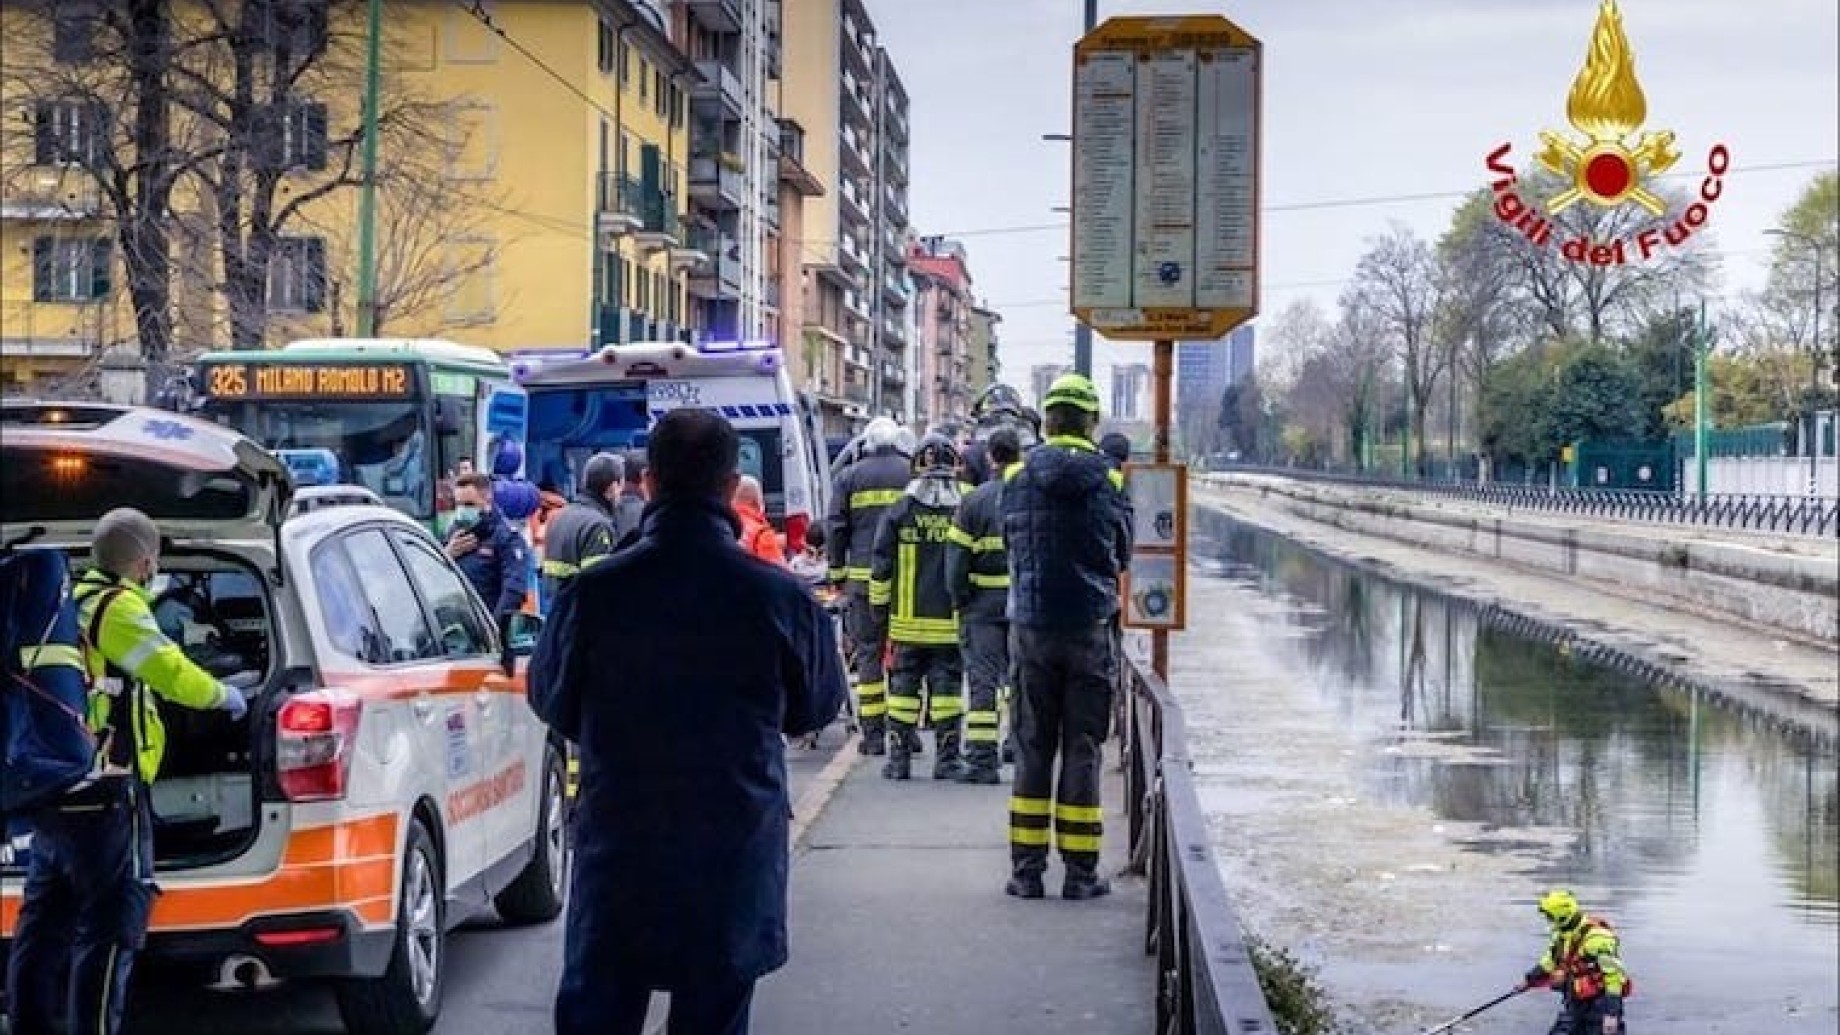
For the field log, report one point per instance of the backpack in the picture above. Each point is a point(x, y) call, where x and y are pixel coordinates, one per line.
point(46, 747)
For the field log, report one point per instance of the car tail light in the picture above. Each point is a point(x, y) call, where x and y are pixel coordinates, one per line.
point(316, 734)
point(796, 524)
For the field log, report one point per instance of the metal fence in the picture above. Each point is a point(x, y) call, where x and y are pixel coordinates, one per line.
point(1206, 983)
point(1752, 512)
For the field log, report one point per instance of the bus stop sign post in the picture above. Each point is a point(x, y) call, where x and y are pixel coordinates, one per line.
point(1165, 239)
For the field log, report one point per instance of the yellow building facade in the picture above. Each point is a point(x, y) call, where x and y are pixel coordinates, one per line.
point(547, 215)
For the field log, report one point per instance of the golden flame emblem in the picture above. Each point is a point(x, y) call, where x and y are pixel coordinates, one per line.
point(1607, 105)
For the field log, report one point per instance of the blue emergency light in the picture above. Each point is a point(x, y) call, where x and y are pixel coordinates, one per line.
point(714, 347)
point(311, 466)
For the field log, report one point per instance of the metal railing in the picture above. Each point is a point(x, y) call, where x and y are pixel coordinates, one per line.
point(1749, 512)
point(1205, 980)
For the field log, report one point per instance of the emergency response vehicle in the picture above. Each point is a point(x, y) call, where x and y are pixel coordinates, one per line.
point(390, 779)
point(584, 403)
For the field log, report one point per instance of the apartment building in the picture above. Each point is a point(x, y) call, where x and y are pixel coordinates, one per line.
point(554, 217)
point(942, 279)
point(1042, 377)
point(986, 366)
point(841, 86)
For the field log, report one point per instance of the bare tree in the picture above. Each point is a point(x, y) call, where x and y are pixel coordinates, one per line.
point(1398, 281)
point(94, 75)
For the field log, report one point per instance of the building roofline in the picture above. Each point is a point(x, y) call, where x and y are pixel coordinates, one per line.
point(627, 18)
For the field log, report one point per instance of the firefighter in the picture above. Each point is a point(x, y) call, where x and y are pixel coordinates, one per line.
point(1581, 962)
point(90, 888)
point(977, 569)
point(582, 533)
point(907, 588)
point(864, 491)
point(1064, 525)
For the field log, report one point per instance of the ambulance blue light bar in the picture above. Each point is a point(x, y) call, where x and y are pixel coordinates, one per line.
point(715, 347)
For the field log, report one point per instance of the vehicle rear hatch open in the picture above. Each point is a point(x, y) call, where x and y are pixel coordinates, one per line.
point(213, 493)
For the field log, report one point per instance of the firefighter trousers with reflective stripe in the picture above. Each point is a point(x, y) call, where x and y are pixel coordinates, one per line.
point(985, 645)
point(1063, 707)
point(936, 669)
point(867, 636)
point(89, 891)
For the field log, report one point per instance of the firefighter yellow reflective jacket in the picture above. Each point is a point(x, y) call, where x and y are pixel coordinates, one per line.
point(125, 644)
point(907, 579)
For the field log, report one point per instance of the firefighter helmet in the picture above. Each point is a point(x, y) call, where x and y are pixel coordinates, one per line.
point(936, 453)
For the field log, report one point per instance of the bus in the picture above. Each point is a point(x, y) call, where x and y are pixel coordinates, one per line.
point(401, 417)
point(582, 403)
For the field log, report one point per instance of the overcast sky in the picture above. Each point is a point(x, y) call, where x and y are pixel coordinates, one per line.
point(1363, 98)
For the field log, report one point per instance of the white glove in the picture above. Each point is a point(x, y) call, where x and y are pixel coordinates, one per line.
point(244, 680)
point(233, 702)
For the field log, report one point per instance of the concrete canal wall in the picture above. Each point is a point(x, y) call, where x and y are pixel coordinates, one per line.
point(1775, 584)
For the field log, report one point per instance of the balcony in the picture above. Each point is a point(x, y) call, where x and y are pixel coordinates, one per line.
point(719, 90)
point(894, 122)
point(893, 374)
point(894, 334)
point(855, 104)
point(720, 276)
point(697, 248)
point(50, 193)
point(855, 262)
point(716, 181)
point(895, 291)
point(661, 227)
point(853, 200)
point(894, 165)
point(855, 153)
point(718, 16)
point(618, 208)
point(894, 205)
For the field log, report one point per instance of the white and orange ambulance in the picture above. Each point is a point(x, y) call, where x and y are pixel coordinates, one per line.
point(390, 780)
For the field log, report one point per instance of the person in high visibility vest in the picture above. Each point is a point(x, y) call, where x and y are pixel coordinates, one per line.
point(977, 570)
point(90, 887)
point(907, 589)
point(1583, 964)
point(1064, 524)
point(863, 493)
point(582, 534)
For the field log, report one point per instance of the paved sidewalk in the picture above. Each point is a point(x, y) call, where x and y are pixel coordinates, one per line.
point(900, 924)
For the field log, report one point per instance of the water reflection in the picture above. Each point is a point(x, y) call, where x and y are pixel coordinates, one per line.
point(1667, 794)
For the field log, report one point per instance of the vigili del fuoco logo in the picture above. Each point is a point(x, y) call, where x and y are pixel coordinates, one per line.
point(1604, 166)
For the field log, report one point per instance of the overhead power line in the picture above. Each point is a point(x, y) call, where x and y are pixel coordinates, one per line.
point(1385, 199)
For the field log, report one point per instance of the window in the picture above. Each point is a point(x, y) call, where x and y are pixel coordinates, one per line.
point(297, 275)
point(645, 78)
point(470, 267)
point(297, 135)
point(466, 39)
point(351, 625)
point(296, 26)
point(659, 99)
point(472, 153)
point(464, 632)
point(69, 131)
point(625, 63)
point(73, 32)
point(74, 269)
point(606, 45)
point(399, 615)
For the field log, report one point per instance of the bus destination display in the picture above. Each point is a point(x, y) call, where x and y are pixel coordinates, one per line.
point(309, 381)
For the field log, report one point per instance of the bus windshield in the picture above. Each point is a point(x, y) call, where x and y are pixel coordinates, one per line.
point(383, 446)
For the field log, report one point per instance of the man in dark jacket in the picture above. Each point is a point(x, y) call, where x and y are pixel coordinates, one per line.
point(493, 555)
point(1064, 525)
point(628, 509)
point(581, 534)
point(863, 492)
point(908, 590)
point(676, 666)
point(977, 570)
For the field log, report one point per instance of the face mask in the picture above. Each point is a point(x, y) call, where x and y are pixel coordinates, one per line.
point(466, 515)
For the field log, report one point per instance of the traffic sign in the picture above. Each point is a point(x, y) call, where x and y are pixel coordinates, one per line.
point(1165, 177)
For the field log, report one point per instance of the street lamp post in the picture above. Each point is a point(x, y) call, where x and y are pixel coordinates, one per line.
point(1814, 355)
point(1082, 334)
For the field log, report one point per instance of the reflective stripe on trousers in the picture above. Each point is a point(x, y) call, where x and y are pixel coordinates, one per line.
point(1064, 684)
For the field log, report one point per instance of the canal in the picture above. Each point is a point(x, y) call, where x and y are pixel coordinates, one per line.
point(1392, 777)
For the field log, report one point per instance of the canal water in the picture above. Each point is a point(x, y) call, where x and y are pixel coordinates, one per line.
point(1392, 778)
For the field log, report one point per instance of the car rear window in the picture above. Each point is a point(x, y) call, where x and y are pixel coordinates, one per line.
point(54, 485)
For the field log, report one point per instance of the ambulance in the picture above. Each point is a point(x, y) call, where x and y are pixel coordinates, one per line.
point(608, 400)
point(389, 781)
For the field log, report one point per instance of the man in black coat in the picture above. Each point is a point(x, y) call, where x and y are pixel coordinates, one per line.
point(676, 666)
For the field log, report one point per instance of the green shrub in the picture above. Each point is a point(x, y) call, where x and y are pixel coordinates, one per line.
point(1298, 1003)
